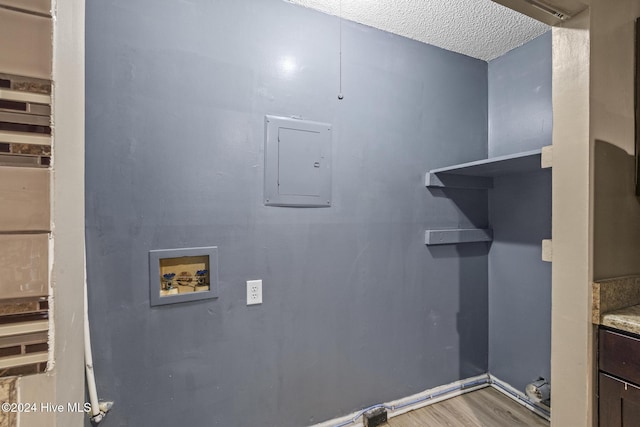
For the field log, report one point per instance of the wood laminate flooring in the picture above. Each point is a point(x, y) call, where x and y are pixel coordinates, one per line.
point(482, 408)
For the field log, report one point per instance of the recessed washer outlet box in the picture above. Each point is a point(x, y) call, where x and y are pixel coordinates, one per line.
point(182, 275)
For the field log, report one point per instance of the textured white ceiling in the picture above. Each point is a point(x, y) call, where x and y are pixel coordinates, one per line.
point(478, 28)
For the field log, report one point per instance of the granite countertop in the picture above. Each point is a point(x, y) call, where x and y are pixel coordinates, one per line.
point(626, 319)
point(616, 303)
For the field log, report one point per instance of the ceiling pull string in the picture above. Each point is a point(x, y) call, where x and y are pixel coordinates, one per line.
point(340, 95)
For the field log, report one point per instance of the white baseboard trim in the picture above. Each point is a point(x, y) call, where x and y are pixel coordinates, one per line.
point(438, 394)
point(435, 395)
point(521, 398)
point(413, 402)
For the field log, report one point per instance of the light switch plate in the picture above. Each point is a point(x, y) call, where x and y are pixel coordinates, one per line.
point(254, 292)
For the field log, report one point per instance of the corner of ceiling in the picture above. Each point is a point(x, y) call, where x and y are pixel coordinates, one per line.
point(481, 29)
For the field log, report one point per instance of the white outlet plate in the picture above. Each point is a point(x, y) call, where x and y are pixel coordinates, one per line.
point(254, 292)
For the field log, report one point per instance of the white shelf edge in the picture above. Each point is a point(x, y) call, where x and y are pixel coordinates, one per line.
point(489, 161)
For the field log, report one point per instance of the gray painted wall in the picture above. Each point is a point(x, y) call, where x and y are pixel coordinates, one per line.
point(520, 215)
point(519, 281)
point(357, 310)
point(520, 114)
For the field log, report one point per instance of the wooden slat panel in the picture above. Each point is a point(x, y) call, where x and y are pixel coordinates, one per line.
point(39, 6)
point(25, 199)
point(24, 265)
point(26, 47)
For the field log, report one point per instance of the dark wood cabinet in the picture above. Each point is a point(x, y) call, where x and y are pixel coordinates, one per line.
point(619, 392)
point(619, 403)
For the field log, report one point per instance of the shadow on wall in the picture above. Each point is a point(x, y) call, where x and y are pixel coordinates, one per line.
point(513, 299)
point(472, 322)
point(616, 212)
point(468, 203)
point(472, 316)
point(474, 308)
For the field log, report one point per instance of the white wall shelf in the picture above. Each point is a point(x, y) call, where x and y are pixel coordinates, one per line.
point(479, 174)
point(457, 235)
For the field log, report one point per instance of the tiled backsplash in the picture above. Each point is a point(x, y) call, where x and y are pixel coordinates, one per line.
point(25, 121)
point(24, 265)
point(26, 43)
point(8, 395)
point(26, 191)
point(25, 217)
point(35, 6)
